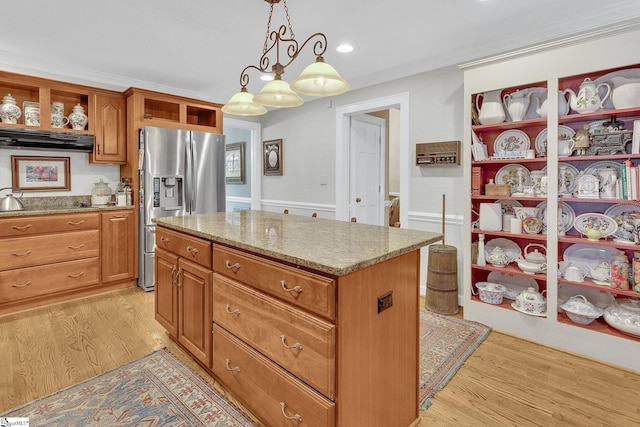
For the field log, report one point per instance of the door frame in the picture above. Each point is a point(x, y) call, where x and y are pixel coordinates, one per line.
point(256, 157)
point(343, 139)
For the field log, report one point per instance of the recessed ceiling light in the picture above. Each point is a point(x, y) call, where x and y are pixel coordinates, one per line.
point(344, 48)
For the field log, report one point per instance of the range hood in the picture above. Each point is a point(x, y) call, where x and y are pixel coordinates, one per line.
point(45, 140)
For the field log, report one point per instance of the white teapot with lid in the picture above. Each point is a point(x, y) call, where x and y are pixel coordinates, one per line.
point(535, 256)
point(588, 98)
point(498, 257)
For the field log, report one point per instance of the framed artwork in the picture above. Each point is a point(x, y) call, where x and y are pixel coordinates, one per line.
point(272, 164)
point(39, 173)
point(234, 163)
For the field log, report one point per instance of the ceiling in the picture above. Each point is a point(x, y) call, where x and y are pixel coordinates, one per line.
point(198, 48)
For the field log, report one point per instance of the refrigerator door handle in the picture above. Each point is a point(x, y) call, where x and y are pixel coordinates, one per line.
point(188, 194)
point(194, 178)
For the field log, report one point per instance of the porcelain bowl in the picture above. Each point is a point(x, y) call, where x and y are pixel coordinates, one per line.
point(626, 96)
point(491, 293)
point(580, 310)
point(623, 319)
point(530, 267)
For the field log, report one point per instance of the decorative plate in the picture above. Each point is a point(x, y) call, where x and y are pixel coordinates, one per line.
point(624, 215)
point(623, 320)
point(509, 175)
point(603, 223)
point(571, 172)
point(515, 307)
point(510, 247)
point(595, 167)
point(585, 256)
point(568, 215)
point(514, 284)
point(630, 304)
point(511, 140)
point(564, 133)
point(508, 205)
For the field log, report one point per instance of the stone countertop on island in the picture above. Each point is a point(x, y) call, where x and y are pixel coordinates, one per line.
point(329, 246)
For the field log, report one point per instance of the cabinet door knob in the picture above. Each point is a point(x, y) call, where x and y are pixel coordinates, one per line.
point(164, 240)
point(358, 199)
point(192, 251)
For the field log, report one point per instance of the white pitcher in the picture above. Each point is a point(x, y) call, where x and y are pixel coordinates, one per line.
point(491, 111)
point(517, 104)
point(563, 105)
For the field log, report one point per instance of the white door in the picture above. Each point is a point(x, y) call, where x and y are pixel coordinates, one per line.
point(367, 169)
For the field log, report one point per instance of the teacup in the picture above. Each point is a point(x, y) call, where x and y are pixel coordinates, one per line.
point(59, 121)
point(574, 274)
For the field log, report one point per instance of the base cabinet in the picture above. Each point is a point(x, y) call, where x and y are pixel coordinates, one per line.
point(184, 292)
point(117, 249)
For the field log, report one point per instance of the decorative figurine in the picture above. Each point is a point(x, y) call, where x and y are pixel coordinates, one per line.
point(582, 138)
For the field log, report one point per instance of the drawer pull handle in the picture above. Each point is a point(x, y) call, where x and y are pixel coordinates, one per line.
point(22, 286)
point(80, 246)
point(120, 216)
point(192, 251)
point(235, 267)
point(21, 228)
point(236, 311)
point(179, 277)
point(236, 369)
point(297, 345)
point(76, 222)
point(296, 417)
point(164, 240)
point(297, 289)
point(22, 255)
point(75, 276)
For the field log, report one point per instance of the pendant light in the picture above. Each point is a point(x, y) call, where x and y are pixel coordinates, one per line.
point(318, 79)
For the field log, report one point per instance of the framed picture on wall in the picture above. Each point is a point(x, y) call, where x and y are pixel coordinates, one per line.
point(234, 163)
point(39, 173)
point(272, 152)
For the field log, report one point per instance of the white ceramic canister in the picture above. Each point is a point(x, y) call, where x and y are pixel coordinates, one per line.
point(9, 110)
point(78, 119)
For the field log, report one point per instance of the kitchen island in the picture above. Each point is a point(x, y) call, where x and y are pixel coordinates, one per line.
point(305, 320)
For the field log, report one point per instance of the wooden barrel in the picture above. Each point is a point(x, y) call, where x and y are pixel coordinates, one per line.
point(442, 280)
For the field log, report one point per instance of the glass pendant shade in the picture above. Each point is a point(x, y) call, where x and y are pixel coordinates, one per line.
point(242, 104)
point(277, 93)
point(320, 79)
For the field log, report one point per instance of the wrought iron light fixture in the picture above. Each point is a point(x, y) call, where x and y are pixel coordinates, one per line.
point(318, 79)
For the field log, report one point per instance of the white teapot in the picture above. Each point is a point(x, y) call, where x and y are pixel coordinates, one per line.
point(498, 257)
point(588, 98)
point(535, 256)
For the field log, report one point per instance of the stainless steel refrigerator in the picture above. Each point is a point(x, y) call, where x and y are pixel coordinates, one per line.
point(181, 173)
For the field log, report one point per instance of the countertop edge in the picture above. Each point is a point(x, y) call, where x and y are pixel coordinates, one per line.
point(54, 211)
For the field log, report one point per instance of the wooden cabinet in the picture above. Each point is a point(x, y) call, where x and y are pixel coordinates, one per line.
point(118, 244)
point(105, 110)
point(298, 346)
point(183, 290)
point(109, 112)
point(49, 258)
point(564, 200)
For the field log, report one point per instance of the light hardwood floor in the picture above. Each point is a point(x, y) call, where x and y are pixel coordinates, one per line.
point(506, 381)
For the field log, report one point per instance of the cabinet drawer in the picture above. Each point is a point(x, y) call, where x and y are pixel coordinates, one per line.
point(49, 248)
point(303, 289)
point(265, 387)
point(32, 282)
point(23, 226)
point(192, 248)
point(297, 341)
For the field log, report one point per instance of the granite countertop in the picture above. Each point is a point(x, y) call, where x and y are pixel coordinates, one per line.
point(58, 205)
point(329, 246)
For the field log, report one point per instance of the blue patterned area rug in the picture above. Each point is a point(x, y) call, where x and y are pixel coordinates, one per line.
point(445, 343)
point(156, 390)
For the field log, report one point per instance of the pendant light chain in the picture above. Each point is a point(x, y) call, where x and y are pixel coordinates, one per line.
point(266, 36)
point(286, 11)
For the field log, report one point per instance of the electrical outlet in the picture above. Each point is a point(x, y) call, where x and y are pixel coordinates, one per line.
point(385, 301)
point(324, 179)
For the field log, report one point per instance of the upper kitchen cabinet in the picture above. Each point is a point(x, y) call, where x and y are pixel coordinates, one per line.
point(52, 105)
point(110, 115)
point(158, 109)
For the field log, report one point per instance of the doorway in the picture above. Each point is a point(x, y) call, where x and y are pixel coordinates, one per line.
point(344, 116)
point(246, 195)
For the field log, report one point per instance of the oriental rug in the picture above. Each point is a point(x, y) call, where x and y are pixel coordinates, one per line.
point(445, 344)
point(156, 390)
